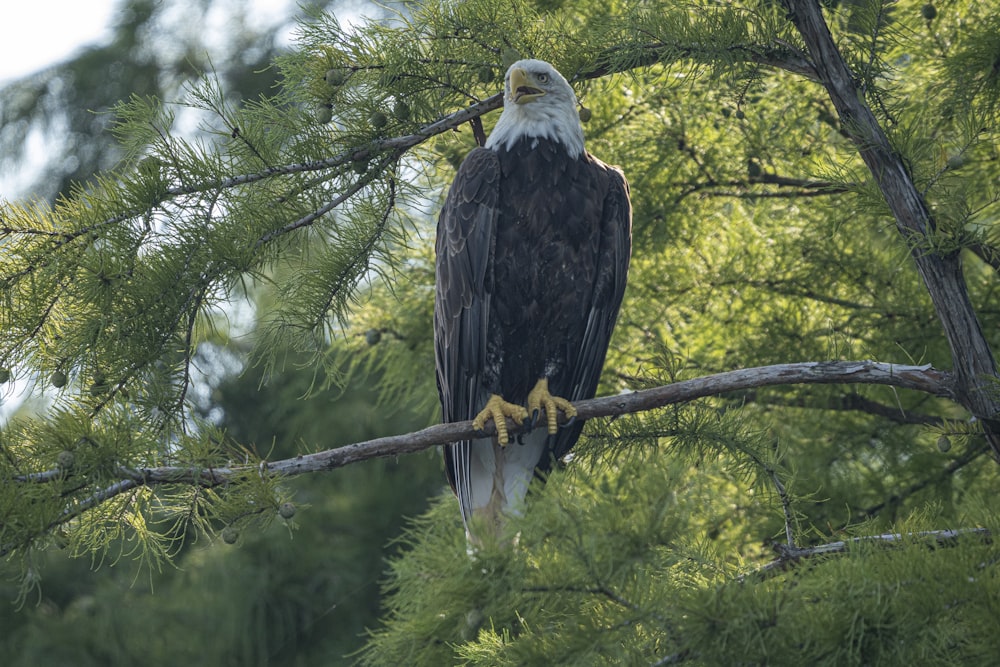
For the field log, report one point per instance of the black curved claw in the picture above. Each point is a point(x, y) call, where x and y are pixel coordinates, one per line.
point(520, 439)
point(531, 421)
point(569, 422)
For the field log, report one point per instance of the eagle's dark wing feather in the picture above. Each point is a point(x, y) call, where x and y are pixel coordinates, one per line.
point(606, 297)
point(465, 242)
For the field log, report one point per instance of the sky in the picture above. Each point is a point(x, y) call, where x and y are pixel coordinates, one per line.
point(36, 34)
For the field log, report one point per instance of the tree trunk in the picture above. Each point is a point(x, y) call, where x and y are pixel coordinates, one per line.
point(974, 366)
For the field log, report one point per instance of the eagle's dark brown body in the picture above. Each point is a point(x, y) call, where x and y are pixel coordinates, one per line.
point(532, 255)
point(548, 261)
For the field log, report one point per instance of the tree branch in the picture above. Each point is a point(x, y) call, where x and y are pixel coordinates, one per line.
point(924, 379)
point(847, 401)
point(398, 144)
point(965, 459)
point(797, 188)
point(789, 556)
point(941, 271)
point(779, 56)
point(918, 378)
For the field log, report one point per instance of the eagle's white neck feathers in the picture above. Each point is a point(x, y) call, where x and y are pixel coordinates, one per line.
point(552, 116)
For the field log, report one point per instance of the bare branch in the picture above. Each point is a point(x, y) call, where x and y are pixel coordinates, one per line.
point(918, 378)
point(790, 556)
point(924, 379)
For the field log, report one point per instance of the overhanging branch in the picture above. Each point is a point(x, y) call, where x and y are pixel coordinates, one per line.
point(779, 56)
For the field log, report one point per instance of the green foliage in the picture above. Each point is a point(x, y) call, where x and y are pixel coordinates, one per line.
point(304, 586)
point(760, 237)
point(636, 562)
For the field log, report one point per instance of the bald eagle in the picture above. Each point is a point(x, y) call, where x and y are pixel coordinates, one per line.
point(533, 248)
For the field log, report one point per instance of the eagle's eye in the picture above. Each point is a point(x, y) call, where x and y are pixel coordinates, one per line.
point(542, 77)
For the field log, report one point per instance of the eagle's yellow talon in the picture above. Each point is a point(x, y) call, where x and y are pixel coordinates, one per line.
point(498, 410)
point(539, 398)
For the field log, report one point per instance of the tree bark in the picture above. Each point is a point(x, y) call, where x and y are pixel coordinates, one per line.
point(918, 378)
point(972, 359)
point(924, 379)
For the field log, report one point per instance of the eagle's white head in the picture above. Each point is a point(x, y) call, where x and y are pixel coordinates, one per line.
point(538, 102)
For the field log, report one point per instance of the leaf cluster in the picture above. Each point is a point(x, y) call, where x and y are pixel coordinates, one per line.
point(636, 563)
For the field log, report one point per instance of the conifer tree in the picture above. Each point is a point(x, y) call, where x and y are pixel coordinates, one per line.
point(802, 380)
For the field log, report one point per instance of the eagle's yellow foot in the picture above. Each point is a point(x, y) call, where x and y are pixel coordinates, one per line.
point(498, 410)
point(539, 398)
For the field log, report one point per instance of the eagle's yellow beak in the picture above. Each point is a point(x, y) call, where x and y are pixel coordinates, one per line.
point(521, 90)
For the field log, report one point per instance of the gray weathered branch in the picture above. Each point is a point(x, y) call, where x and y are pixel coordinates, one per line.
point(924, 379)
point(919, 378)
point(972, 358)
point(789, 556)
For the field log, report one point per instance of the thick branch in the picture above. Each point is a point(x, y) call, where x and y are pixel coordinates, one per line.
point(941, 272)
point(918, 378)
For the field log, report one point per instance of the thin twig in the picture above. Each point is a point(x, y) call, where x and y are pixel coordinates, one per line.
point(312, 217)
point(791, 556)
point(965, 459)
point(786, 505)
